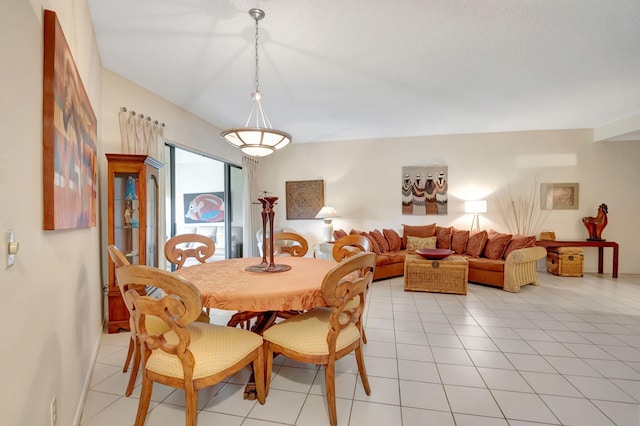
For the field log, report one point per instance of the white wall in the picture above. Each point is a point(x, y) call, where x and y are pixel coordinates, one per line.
point(50, 309)
point(363, 180)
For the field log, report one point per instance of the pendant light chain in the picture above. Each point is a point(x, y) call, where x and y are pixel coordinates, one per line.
point(257, 57)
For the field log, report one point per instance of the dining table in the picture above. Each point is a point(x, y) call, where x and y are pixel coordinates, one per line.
point(226, 284)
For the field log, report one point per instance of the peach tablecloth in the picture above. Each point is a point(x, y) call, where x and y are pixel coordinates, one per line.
point(225, 284)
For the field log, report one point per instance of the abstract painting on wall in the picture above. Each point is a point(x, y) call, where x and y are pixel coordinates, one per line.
point(424, 190)
point(69, 138)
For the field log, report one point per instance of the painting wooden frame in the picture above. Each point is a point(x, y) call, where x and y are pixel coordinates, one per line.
point(559, 196)
point(304, 198)
point(69, 127)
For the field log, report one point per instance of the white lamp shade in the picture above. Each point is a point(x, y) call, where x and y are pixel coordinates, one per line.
point(326, 213)
point(475, 207)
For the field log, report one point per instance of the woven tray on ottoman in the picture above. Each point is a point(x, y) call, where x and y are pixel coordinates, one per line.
point(565, 261)
point(448, 275)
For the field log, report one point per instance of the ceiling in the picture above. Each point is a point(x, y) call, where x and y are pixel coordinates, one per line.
point(354, 69)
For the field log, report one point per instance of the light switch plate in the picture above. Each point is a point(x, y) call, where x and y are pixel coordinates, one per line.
point(10, 259)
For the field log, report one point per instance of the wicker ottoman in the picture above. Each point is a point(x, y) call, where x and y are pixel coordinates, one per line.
point(448, 275)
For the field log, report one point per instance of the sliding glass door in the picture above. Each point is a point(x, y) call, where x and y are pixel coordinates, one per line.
point(204, 196)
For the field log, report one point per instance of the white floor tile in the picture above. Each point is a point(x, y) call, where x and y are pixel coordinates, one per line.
point(599, 388)
point(468, 420)
point(550, 384)
point(510, 380)
point(383, 390)
point(315, 411)
point(523, 406)
point(460, 375)
point(372, 414)
point(419, 417)
point(428, 396)
point(418, 371)
point(576, 411)
point(477, 401)
point(451, 356)
point(490, 359)
point(620, 413)
point(281, 406)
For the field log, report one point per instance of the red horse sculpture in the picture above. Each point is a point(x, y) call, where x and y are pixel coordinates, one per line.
point(595, 225)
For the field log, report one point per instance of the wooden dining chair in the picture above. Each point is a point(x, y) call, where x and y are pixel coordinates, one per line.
point(349, 245)
point(190, 355)
point(288, 243)
point(184, 246)
point(324, 335)
point(180, 248)
point(154, 324)
point(346, 247)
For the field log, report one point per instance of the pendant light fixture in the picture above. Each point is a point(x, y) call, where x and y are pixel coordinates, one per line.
point(257, 138)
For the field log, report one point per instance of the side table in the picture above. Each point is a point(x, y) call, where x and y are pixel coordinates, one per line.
point(323, 250)
point(449, 275)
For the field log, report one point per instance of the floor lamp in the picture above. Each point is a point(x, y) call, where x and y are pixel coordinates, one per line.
point(326, 214)
point(475, 208)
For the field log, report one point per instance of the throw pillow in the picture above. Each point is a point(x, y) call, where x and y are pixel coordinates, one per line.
point(444, 237)
point(415, 243)
point(381, 240)
point(422, 231)
point(496, 244)
point(338, 233)
point(518, 242)
point(375, 247)
point(459, 239)
point(476, 243)
point(394, 240)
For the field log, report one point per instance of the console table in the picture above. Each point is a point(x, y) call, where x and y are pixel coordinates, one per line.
point(600, 244)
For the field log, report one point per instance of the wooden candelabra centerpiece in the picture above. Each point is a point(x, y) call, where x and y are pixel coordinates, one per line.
point(267, 216)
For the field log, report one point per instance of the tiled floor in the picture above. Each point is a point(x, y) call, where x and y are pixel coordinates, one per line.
point(564, 353)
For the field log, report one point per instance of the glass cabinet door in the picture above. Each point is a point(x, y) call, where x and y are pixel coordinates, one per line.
point(152, 220)
point(126, 215)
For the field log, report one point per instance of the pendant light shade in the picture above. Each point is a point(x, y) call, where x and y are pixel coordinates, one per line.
point(257, 138)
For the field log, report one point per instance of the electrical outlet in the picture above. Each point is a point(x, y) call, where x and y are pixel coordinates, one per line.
point(54, 411)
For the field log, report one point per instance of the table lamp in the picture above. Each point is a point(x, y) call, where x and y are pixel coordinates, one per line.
point(326, 214)
point(475, 207)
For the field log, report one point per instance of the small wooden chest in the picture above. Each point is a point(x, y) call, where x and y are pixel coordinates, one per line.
point(565, 261)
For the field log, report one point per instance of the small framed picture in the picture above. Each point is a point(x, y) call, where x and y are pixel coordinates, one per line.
point(559, 196)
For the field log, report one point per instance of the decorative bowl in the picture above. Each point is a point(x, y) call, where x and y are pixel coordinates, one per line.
point(433, 254)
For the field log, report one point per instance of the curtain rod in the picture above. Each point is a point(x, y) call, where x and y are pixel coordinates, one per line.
point(124, 109)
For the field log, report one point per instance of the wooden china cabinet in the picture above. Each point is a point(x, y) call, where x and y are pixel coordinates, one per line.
point(133, 222)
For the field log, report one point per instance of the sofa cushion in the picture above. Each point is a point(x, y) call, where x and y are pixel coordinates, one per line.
point(396, 256)
point(518, 242)
point(394, 240)
point(444, 237)
point(486, 264)
point(415, 243)
point(496, 244)
point(339, 233)
point(383, 259)
point(459, 239)
point(476, 243)
point(422, 231)
point(375, 247)
point(381, 240)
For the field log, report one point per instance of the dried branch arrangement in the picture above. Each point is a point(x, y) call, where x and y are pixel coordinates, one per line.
point(522, 213)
